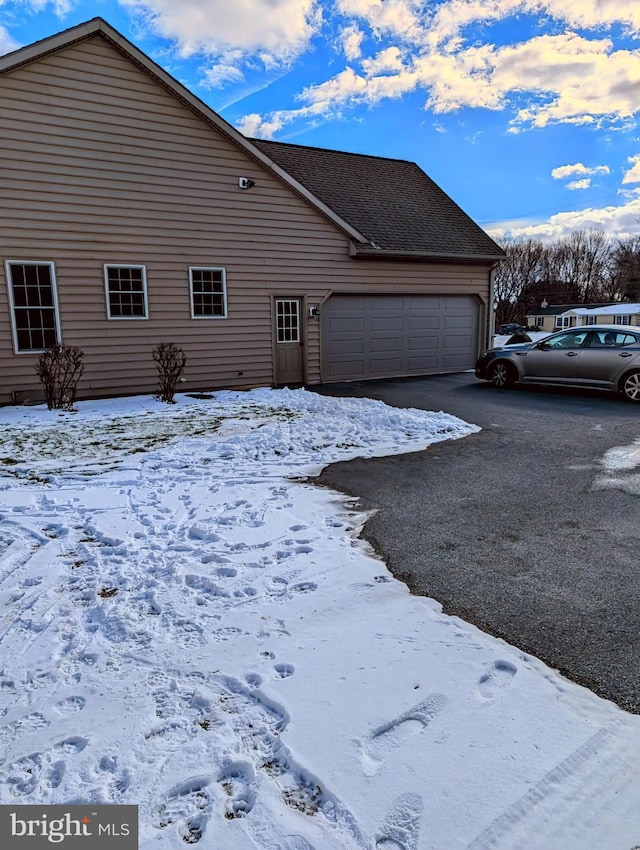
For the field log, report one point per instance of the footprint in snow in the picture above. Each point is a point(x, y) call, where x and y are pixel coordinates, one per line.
point(188, 806)
point(389, 736)
point(496, 678)
point(69, 705)
point(400, 829)
point(283, 671)
point(22, 726)
point(41, 771)
point(237, 779)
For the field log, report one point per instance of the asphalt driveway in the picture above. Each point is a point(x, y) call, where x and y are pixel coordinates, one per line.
point(511, 528)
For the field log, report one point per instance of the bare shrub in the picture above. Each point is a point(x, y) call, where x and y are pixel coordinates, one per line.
point(170, 360)
point(59, 369)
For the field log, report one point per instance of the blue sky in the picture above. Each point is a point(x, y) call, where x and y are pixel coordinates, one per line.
point(524, 111)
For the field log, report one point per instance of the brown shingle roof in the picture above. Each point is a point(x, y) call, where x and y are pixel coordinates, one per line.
point(392, 202)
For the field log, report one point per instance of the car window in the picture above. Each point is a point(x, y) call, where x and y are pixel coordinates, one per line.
point(611, 339)
point(568, 340)
point(625, 339)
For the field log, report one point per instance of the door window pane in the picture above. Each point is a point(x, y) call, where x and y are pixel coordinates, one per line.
point(287, 320)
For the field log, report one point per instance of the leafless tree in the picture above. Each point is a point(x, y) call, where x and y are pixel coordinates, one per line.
point(625, 269)
point(583, 258)
point(586, 266)
point(521, 268)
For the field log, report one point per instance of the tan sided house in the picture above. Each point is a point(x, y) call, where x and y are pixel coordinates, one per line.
point(131, 213)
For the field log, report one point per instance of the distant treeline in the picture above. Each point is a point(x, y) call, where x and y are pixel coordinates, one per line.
point(586, 267)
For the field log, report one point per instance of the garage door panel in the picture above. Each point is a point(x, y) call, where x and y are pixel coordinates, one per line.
point(426, 323)
point(390, 344)
point(383, 303)
point(344, 370)
point(462, 341)
point(428, 343)
point(423, 364)
point(386, 323)
point(347, 325)
point(376, 336)
point(452, 322)
point(347, 346)
point(386, 365)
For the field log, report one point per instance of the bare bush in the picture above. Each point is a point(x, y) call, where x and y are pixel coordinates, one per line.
point(170, 360)
point(59, 369)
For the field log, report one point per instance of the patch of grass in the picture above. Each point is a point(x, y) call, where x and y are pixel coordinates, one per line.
point(92, 447)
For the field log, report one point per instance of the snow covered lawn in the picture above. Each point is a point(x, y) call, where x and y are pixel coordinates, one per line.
point(189, 626)
point(534, 336)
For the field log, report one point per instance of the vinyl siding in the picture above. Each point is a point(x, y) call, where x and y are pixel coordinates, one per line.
point(99, 164)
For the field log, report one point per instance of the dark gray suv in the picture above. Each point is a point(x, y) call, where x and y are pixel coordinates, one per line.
point(605, 357)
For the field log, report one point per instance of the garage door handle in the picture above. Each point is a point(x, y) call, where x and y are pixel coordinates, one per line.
point(572, 353)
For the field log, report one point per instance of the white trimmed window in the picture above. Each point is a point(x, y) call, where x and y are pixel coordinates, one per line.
point(208, 288)
point(591, 320)
point(126, 291)
point(34, 305)
point(622, 320)
point(563, 322)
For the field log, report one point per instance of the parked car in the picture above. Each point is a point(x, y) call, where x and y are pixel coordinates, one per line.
point(606, 357)
point(511, 328)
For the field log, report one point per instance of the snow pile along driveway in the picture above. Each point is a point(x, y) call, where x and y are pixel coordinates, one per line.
point(187, 627)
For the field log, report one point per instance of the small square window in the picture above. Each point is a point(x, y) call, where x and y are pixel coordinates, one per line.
point(208, 290)
point(126, 288)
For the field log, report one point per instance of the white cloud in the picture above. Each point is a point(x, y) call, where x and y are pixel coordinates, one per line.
point(351, 39)
point(633, 175)
point(218, 75)
point(564, 171)
point(568, 79)
point(620, 222)
point(395, 17)
point(577, 79)
point(585, 183)
point(254, 126)
point(7, 42)
point(278, 30)
point(388, 61)
point(450, 19)
point(60, 7)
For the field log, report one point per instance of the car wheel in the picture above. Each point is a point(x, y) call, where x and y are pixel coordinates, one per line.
point(630, 386)
point(502, 375)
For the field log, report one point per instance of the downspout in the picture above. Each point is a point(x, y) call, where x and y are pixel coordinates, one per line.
point(491, 323)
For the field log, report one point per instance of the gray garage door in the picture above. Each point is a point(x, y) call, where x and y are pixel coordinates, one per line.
point(377, 336)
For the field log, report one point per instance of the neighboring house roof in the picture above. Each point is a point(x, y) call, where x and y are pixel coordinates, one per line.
point(387, 207)
point(620, 309)
point(560, 309)
point(392, 202)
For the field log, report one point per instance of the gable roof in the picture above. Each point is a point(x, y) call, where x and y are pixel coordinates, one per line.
point(99, 27)
point(560, 309)
point(621, 308)
point(387, 207)
point(392, 202)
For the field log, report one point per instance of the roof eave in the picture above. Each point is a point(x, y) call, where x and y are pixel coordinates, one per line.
point(389, 253)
